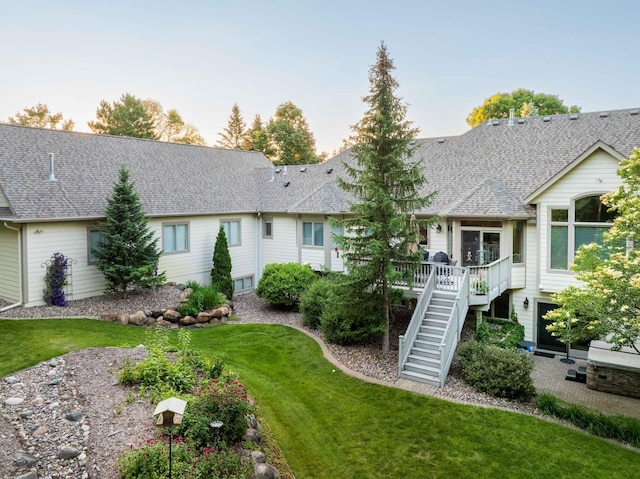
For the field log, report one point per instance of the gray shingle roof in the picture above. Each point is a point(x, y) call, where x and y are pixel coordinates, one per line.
point(487, 171)
point(171, 179)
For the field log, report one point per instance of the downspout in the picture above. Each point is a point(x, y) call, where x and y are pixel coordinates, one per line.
point(19, 303)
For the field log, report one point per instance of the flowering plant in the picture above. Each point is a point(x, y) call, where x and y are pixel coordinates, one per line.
point(56, 279)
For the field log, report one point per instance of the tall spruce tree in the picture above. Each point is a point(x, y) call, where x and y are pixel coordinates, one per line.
point(128, 254)
point(386, 184)
point(221, 271)
point(234, 135)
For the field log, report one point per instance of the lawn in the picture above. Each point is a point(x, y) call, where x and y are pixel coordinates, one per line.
point(330, 425)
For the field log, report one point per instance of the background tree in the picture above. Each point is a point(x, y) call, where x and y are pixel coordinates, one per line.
point(221, 271)
point(257, 138)
point(169, 125)
point(524, 102)
point(128, 254)
point(234, 135)
point(387, 185)
point(608, 302)
point(290, 139)
point(126, 117)
point(41, 117)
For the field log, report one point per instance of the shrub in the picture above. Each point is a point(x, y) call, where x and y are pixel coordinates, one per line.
point(216, 401)
point(352, 318)
point(620, 428)
point(499, 332)
point(202, 298)
point(283, 284)
point(497, 371)
point(221, 271)
point(314, 300)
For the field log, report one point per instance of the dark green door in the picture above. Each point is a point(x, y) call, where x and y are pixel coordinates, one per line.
point(545, 340)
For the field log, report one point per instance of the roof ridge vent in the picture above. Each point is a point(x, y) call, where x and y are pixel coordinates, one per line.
point(573, 116)
point(604, 114)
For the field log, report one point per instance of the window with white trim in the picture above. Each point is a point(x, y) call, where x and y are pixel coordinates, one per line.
point(94, 242)
point(584, 223)
point(175, 237)
point(232, 231)
point(267, 228)
point(312, 233)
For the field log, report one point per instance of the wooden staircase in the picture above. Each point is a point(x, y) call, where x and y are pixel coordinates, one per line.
point(424, 362)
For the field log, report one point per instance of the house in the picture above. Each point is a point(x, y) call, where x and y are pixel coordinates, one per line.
point(515, 200)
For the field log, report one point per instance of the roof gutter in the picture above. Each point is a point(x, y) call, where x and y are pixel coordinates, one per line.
point(19, 303)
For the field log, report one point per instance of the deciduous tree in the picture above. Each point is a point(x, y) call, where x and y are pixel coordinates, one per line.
point(41, 117)
point(524, 102)
point(290, 141)
point(125, 117)
point(257, 138)
point(128, 254)
point(169, 125)
point(608, 302)
point(387, 184)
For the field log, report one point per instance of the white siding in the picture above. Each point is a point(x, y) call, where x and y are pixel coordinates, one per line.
point(283, 247)
point(9, 264)
point(70, 239)
point(595, 175)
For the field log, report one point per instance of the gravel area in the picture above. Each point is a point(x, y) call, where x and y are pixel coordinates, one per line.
point(368, 360)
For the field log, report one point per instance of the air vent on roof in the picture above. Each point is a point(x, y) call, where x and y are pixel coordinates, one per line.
point(495, 122)
point(573, 116)
point(287, 183)
point(440, 140)
point(511, 111)
point(604, 114)
point(546, 119)
point(412, 142)
point(278, 170)
point(329, 170)
point(284, 172)
point(303, 168)
point(635, 112)
point(520, 121)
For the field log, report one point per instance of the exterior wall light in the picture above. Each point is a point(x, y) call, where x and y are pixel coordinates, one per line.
point(438, 228)
point(526, 303)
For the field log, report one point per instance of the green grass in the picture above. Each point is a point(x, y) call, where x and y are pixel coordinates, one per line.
point(330, 425)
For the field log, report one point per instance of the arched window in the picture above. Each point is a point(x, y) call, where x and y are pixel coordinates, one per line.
point(584, 223)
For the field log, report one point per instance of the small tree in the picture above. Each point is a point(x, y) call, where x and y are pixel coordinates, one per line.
point(221, 271)
point(128, 254)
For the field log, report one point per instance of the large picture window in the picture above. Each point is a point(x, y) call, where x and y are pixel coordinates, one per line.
point(232, 231)
point(175, 237)
point(312, 234)
point(585, 223)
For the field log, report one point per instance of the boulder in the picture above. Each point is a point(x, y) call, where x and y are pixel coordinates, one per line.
point(122, 318)
point(252, 435)
point(258, 457)
point(160, 322)
point(187, 321)
point(265, 471)
point(217, 313)
point(138, 318)
point(156, 313)
point(151, 321)
point(172, 316)
point(203, 317)
point(108, 316)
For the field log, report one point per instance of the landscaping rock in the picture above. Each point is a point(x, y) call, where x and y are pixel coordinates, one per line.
point(13, 401)
point(203, 317)
point(25, 460)
point(68, 452)
point(138, 318)
point(108, 316)
point(258, 457)
point(160, 322)
point(187, 321)
point(252, 435)
point(74, 416)
point(151, 321)
point(265, 471)
point(122, 318)
point(28, 475)
point(172, 316)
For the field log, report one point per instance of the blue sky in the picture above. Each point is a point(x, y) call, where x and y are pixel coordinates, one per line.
point(201, 57)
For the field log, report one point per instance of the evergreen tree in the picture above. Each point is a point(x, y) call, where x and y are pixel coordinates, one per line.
point(126, 117)
point(234, 134)
point(257, 138)
point(386, 184)
point(221, 271)
point(128, 254)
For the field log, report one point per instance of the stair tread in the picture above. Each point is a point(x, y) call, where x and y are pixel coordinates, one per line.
point(435, 361)
point(423, 367)
point(421, 376)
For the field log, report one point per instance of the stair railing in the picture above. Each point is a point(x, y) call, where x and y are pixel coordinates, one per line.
point(405, 341)
point(452, 332)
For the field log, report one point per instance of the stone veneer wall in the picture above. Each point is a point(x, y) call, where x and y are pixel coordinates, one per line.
point(615, 381)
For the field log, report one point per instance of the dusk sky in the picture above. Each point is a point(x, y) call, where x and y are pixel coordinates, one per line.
point(201, 57)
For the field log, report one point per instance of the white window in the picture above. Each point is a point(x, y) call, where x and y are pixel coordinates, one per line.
point(267, 228)
point(232, 231)
point(94, 241)
point(175, 237)
point(242, 284)
point(312, 234)
point(585, 223)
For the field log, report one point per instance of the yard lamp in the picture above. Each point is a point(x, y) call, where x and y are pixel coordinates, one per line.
point(170, 412)
point(216, 425)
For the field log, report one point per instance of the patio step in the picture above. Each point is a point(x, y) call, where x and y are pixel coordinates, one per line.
point(426, 353)
point(421, 378)
point(427, 345)
point(424, 361)
point(424, 370)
